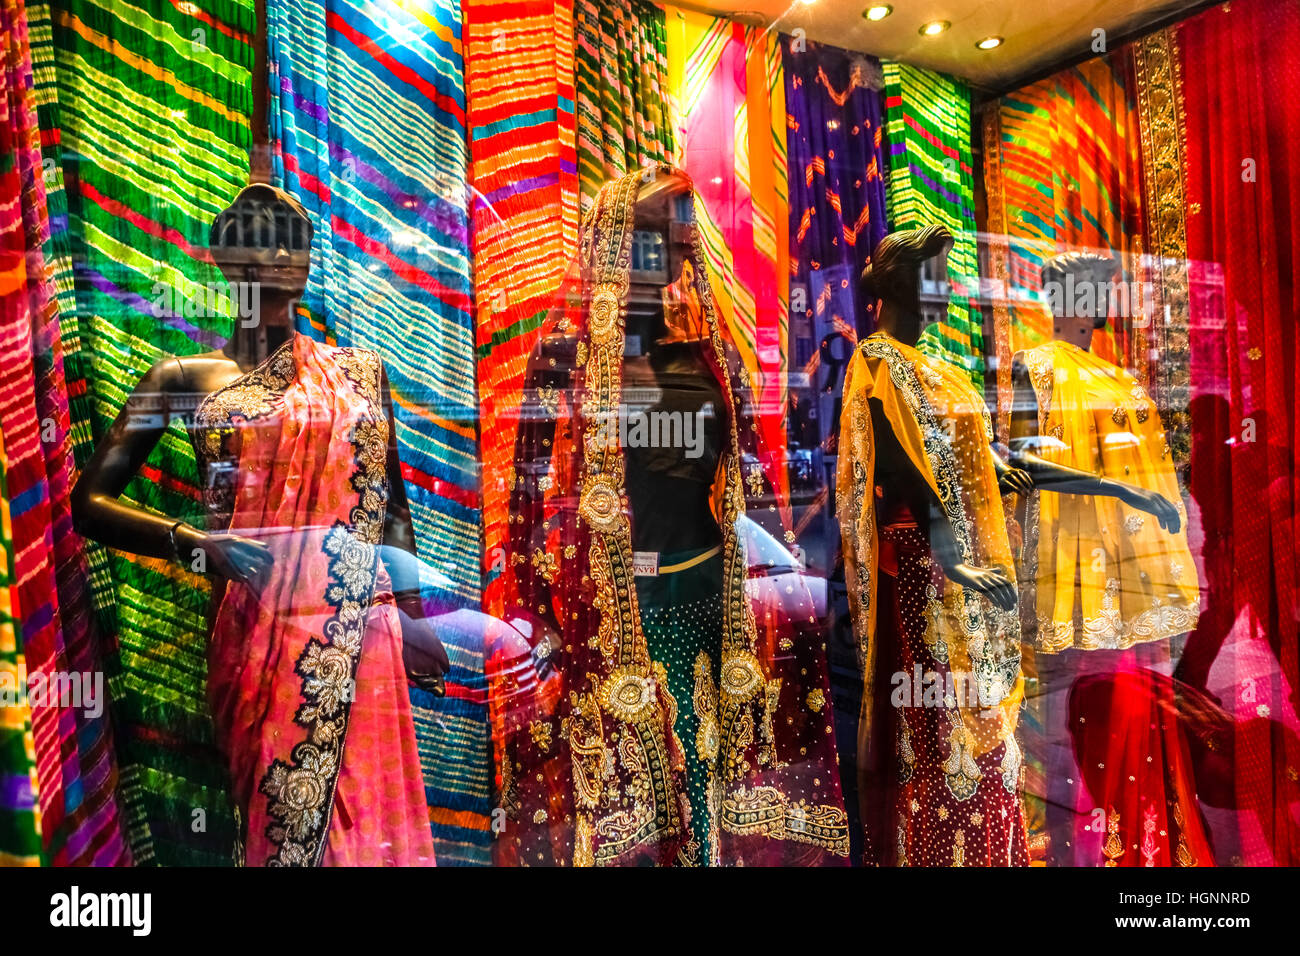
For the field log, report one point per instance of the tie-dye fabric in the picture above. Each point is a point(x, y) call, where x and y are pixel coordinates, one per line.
point(144, 114)
point(621, 75)
point(932, 180)
point(369, 128)
point(1065, 174)
point(62, 787)
point(519, 76)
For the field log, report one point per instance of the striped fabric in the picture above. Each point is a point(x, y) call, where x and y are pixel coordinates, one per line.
point(519, 75)
point(52, 644)
point(1070, 153)
point(621, 76)
point(144, 108)
point(454, 739)
point(728, 95)
point(932, 180)
point(369, 130)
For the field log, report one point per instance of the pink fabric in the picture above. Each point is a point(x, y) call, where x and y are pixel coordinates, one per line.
point(296, 466)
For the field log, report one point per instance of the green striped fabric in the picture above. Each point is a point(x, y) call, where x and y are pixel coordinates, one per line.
point(932, 180)
point(145, 107)
point(621, 77)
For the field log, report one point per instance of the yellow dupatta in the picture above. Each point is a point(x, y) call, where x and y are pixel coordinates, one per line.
point(943, 426)
point(1106, 575)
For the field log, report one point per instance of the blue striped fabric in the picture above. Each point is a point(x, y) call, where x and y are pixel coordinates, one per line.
point(369, 129)
point(368, 125)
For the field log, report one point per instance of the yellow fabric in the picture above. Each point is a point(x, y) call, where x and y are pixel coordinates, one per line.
point(943, 426)
point(1106, 575)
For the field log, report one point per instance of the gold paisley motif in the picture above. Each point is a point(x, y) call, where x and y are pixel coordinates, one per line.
point(605, 307)
point(628, 694)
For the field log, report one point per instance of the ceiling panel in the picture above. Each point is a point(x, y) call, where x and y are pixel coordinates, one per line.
point(1038, 33)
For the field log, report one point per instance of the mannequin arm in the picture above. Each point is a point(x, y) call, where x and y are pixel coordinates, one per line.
point(911, 484)
point(423, 655)
point(98, 514)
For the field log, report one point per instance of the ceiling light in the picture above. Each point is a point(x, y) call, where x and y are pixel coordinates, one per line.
point(878, 12)
point(990, 43)
point(934, 28)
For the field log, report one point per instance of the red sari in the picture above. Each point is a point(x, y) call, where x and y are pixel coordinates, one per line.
point(306, 681)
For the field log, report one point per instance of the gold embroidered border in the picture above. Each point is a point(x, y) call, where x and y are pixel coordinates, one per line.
point(1163, 131)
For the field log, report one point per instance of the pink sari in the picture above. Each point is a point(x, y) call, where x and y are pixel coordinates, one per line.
point(306, 682)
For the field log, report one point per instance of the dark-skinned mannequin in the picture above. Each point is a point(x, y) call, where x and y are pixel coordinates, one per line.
point(1092, 658)
point(264, 237)
point(1078, 331)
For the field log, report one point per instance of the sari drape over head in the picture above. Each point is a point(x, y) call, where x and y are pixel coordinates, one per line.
point(591, 771)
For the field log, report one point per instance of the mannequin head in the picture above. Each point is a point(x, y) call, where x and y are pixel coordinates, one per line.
point(1077, 286)
point(264, 238)
point(893, 277)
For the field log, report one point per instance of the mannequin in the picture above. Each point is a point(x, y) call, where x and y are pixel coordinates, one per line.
point(675, 736)
point(1105, 591)
point(932, 584)
point(259, 389)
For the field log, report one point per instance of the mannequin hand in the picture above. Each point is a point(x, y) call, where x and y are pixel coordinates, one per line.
point(243, 560)
point(993, 583)
point(1015, 481)
point(1156, 505)
point(423, 655)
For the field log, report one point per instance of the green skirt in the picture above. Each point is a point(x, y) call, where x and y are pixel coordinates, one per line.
point(681, 617)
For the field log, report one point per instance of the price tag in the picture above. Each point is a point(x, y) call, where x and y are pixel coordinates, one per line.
point(645, 564)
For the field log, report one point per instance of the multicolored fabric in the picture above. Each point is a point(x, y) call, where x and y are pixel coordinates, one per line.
point(368, 126)
point(64, 779)
point(519, 79)
point(728, 97)
point(1065, 174)
point(621, 76)
point(835, 134)
point(305, 676)
point(592, 770)
point(144, 112)
point(20, 818)
point(932, 180)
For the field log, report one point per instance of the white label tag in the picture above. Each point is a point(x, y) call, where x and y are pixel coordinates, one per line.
point(645, 564)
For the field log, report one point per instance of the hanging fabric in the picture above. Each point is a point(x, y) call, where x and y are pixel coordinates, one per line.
point(1235, 73)
point(369, 130)
point(144, 116)
point(519, 69)
point(621, 74)
point(835, 134)
point(58, 775)
point(932, 180)
point(1063, 172)
point(728, 98)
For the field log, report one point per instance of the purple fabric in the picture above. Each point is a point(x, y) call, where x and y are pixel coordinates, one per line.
point(834, 103)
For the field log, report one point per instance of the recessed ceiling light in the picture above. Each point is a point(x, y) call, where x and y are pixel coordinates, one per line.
point(934, 28)
point(878, 12)
point(990, 43)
